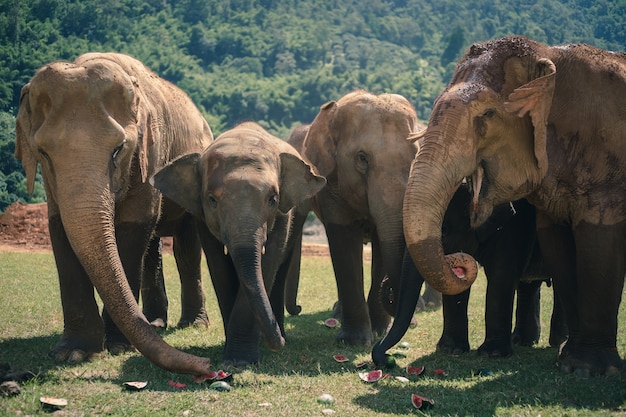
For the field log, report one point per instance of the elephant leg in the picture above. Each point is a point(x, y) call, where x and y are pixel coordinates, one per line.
point(589, 280)
point(83, 330)
point(454, 338)
point(153, 293)
point(432, 298)
point(188, 255)
point(243, 336)
point(558, 323)
point(527, 314)
point(292, 279)
point(223, 274)
point(498, 314)
point(132, 241)
point(379, 318)
point(277, 294)
point(346, 250)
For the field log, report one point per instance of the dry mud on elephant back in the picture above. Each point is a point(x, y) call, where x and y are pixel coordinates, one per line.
point(24, 227)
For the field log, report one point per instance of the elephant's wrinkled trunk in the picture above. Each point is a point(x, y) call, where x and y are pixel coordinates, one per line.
point(91, 233)
point(436, 173)
point(247, 261)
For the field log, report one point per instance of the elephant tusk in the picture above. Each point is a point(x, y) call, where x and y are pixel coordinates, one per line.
point(225, 250)
point(477, 182)
point(263, 250)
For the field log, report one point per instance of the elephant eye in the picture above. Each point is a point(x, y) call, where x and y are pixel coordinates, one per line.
point(212, 200)
point(273, 200)
point(489, 113)
point(116, 152)
point(362, 162)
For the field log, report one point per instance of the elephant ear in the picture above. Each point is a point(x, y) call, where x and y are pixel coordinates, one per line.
point(23, 130)
point(297, 182)
point(147, 126)
point(535, 98)
point(180, 181)
point(319, 145)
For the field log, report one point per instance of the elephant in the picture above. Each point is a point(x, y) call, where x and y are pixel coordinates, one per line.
point(99, 127)
point(506, 247)
point(245, 188)
point(359, 144)
point(520, 119)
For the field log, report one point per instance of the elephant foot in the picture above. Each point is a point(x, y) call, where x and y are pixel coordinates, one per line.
point(118, 348)
point(355, 338)
point(525, 338)
point(294, 309)
point(76, 350)
point(451, 346)
point(558, 335)
point(159, 324)
point(589, 362)
point(496, 349)
point(199, 321)
point(432, 298)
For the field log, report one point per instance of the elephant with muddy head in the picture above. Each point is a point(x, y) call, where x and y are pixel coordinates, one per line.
point(245, 188)
point(360, 145)
point(99, 127)
point(520, 119)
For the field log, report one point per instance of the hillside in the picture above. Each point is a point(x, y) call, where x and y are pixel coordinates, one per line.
point(277, 61)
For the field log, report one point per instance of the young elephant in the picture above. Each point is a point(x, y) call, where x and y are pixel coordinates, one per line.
point(245, 187)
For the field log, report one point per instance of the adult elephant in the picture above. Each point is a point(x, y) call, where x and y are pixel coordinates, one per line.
point(524, 120)
point(99, 127)
point(359, 144)
point(245, 187)
point(506, 247)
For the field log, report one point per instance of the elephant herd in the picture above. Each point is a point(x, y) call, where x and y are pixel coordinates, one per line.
point(521, 168)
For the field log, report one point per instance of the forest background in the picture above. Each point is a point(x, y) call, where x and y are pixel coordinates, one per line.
point(277, 61)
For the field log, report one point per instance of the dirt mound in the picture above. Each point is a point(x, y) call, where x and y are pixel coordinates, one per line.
point(24, 227)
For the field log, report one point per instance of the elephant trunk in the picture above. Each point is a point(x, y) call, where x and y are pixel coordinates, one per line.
point(247, 260)
point(436, 173)
point(91, 232)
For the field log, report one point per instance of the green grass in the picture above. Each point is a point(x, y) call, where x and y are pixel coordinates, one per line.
point(526, 384)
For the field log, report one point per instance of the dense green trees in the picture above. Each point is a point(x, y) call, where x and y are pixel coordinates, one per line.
point(277, 61)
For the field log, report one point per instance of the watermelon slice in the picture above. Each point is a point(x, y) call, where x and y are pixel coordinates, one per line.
point(331, 322)
point(421, 403)
point(340, 358)
point(371, 376)
point(208, 377)
point(415, 370)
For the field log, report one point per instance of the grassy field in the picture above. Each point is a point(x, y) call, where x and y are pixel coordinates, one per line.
point(287, 383)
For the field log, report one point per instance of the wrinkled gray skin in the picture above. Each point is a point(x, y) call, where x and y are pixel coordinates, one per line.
point(524, 120)
point(359, 144)
point(245, 187)
point(99, 127)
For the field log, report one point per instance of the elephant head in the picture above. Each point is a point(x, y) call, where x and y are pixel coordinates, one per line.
point(239, 186)
point(489, 126)
point(96, 128)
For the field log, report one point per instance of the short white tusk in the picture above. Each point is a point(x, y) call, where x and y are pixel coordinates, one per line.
point(225, 250)
point(263, 250)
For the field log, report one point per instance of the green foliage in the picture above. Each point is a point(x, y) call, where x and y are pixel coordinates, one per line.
point(12, 179)
point(278, 61)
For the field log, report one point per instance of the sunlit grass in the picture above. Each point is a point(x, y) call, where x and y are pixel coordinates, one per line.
point(526, 384)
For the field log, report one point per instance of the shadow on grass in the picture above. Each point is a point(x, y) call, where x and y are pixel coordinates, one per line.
point(479, 386)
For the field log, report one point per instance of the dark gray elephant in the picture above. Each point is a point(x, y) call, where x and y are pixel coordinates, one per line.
point(100, 127)
point(245, 187)
point(525, 120)
point(506, 247)
point(359, 144)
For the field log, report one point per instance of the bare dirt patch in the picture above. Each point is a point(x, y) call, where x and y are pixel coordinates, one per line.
point(24, 228)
